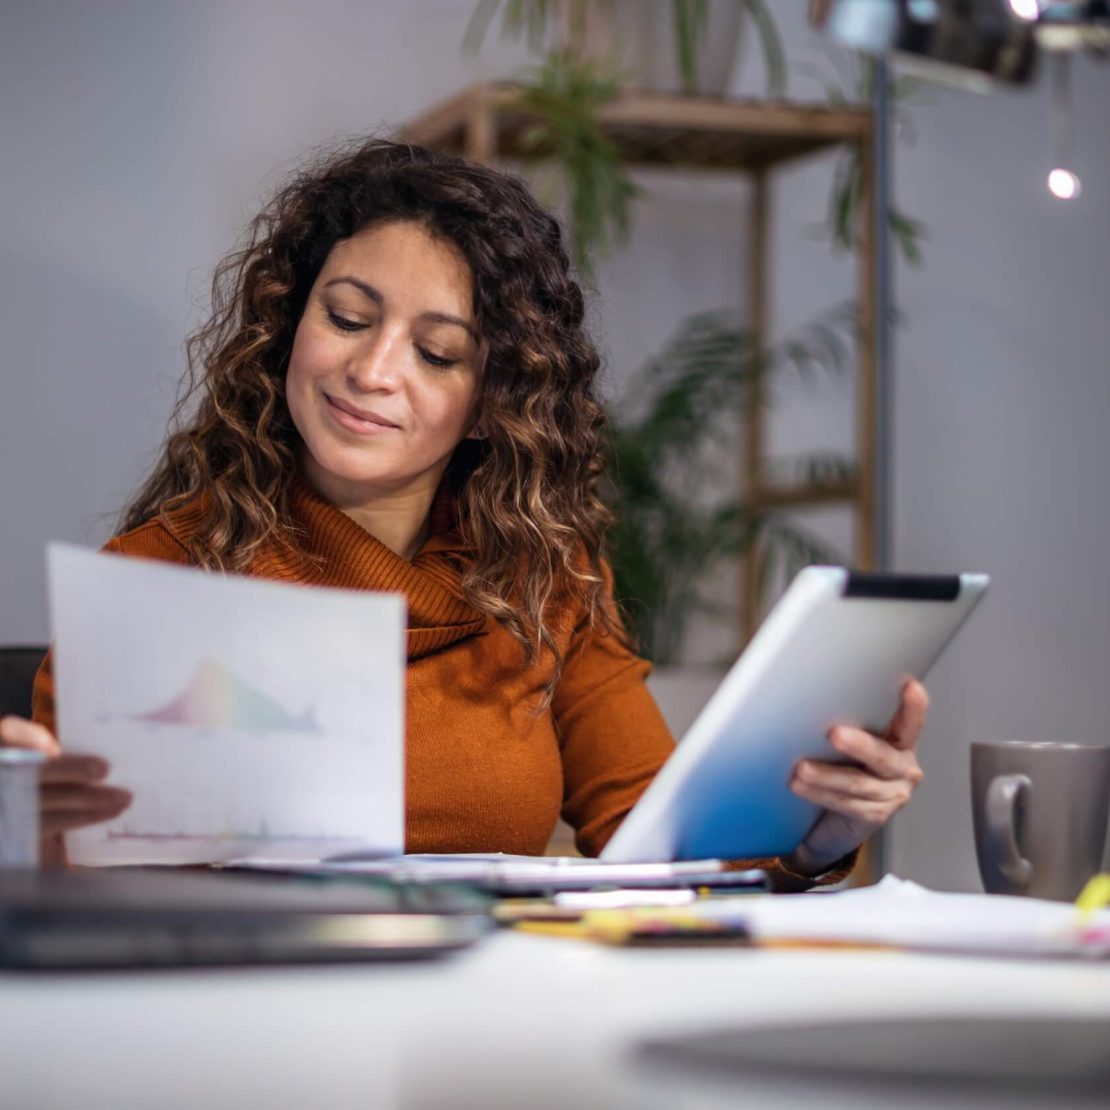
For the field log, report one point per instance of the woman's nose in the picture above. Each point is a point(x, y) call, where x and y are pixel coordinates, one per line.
point(377, 364)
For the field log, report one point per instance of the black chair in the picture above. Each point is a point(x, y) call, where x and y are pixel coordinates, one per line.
point(17, 675)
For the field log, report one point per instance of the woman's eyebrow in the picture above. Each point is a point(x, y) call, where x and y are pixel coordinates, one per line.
point(379, 300)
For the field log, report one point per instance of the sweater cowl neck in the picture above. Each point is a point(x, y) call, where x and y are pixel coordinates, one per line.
point(335, 551)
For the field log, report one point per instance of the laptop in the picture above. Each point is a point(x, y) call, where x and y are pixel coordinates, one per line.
point(138, 917)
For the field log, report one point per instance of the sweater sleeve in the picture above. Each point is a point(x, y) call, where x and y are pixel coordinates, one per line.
point(614, 740)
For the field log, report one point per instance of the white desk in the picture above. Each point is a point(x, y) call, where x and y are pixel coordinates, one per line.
point(520, 1022)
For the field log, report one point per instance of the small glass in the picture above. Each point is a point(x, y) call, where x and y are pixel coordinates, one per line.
point(19, 807)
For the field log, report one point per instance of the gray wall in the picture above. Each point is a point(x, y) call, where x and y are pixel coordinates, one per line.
point(1003, 456)
point(1002, 396)
point(138, 137)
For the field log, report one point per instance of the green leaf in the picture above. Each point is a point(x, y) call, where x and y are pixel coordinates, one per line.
point(688, 20)
point(908, 234)
point(475, 34)
point(671, 529)
point(773, 55)
point(565, 95)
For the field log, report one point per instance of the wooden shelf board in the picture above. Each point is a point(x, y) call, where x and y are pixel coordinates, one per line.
point(799, 496)
point(653, 129)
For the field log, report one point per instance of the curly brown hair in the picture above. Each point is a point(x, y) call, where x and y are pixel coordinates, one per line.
point(529, 508)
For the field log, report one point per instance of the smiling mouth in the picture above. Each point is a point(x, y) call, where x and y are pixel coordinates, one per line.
point(356, 419)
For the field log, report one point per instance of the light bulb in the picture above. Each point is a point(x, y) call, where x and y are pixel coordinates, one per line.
point(1063, 184)
point(1025, 9)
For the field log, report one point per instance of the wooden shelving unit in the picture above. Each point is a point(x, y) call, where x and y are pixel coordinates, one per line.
point(485, 122)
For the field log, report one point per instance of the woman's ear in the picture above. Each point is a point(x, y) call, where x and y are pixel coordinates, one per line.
point(478, 431)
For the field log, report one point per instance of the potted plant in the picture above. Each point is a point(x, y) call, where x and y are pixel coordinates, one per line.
point(671, 529)
point(691, 49)
point(591, 51)
point(564, 95)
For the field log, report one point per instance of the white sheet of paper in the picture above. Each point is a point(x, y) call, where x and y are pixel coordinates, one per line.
point(247, 717)
point(903, 914)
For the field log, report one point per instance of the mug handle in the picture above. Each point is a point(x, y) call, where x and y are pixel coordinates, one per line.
point(1002, 797)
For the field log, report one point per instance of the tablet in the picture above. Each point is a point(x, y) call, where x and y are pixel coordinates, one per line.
point(836, 649)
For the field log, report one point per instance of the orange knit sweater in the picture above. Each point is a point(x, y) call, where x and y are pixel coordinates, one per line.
point(483, 771)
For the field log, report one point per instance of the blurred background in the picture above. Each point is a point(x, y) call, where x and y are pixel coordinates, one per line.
point(138, 138)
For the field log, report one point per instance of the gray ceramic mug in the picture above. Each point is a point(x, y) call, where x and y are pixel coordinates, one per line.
point(1040, 812)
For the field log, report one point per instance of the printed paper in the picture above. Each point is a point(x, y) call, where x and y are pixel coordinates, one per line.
point(246, 717)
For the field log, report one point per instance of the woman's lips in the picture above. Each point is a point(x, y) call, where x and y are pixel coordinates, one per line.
point(357, 420)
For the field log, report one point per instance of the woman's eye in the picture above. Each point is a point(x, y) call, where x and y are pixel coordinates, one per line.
point(343, 324)
point(435, 360)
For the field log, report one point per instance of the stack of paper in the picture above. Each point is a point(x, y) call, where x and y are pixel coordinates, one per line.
point(902, 914)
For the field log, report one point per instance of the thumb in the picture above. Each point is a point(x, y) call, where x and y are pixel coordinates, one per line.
point(18, 732)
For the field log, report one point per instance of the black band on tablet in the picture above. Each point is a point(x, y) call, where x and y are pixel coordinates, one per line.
point(903, 587)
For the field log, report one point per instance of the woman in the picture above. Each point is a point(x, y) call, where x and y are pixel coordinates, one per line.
point(395, 392)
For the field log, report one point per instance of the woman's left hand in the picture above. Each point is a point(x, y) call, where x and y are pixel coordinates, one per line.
point(860, 798)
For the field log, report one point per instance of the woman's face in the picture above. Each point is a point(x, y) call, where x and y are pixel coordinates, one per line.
point(383, 377)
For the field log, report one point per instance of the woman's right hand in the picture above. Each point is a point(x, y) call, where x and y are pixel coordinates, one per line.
point(72, 792)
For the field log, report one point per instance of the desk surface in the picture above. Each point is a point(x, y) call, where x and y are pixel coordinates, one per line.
point(521, 1021)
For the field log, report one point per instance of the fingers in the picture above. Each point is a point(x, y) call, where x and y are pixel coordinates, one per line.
point(54, 825)
point(910, 719)
point(863, 799)
point(82, 799)
point(60, 767)
point(72, 767)
point(21, 733)
point(875, 754)
point(864, 815)
point(70, 806)
point(851, 782)
point(71, 793)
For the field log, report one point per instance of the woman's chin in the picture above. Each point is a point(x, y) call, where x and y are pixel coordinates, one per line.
point(345, 484)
